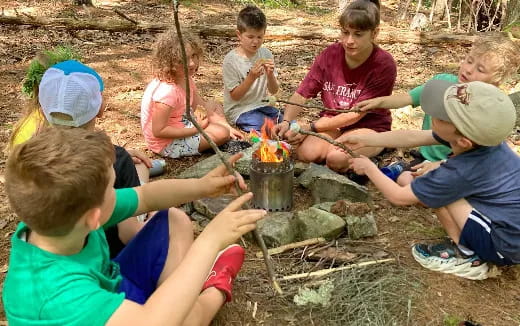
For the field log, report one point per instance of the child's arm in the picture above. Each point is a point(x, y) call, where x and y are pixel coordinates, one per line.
point(385, 102)
point(256, 71)
point(396, 194)
point(390, 139)
point(173, 300)
point(165, 193)
point(161, 128)
point(272, 82)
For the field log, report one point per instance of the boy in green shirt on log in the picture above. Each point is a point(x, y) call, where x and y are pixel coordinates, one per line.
point(60, 184)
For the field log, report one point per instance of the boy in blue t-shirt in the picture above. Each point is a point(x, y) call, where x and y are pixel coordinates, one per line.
point(60, 184)
point(492, 59)
point(476, 193)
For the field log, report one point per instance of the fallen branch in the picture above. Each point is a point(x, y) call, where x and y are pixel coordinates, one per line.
point(388, 35)
point(279, 250)
point(122, 15)
point(333, 270)
point(267, 258)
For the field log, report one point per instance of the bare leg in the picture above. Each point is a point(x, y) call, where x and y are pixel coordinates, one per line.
point(181, 238)
point(314, 149)
point(205, 308)
point(217, 132)
point(453, 217)
point(337, 160)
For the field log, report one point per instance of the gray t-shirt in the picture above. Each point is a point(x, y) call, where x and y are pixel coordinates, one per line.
point(234, 71)
point(489, 179)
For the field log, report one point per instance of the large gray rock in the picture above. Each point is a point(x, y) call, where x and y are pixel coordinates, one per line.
point(333, 187)
point(361, 226)
point(212, 206)
point(313, 171)
point(202, 168)
point(300, 167)
point(358, 217)
point(277, 229)
point(315, 223)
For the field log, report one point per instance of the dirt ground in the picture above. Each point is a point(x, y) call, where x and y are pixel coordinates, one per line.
point(122, 59)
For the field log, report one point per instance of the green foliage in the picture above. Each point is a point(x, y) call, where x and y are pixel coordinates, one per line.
point(38, 66)
point(321, 296)
point(269, 3)
point(451, 320)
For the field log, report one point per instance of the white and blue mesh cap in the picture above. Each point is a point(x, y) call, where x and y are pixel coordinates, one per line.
point(73, 89)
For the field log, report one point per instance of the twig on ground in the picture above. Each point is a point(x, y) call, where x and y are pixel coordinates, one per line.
point(279, 250)
point(122, 15)
point(337, 269)
point(260, 241)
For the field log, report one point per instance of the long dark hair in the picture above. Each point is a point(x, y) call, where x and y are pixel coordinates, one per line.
point(361, 14)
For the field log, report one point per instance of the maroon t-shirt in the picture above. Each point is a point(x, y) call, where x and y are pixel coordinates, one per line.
point(342, 87)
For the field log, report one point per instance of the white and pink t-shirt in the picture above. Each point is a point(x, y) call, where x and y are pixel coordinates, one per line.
point(171, 95)
point(341, 87)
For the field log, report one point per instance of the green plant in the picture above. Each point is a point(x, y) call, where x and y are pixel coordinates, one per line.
point(42, 62)
point(451, 320)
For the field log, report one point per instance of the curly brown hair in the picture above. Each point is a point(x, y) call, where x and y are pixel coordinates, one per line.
point(167, 56)
point(501, 51)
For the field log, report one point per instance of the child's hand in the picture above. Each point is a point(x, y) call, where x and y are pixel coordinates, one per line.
point(269, 66)
point(139, 157)
point(361, 165)
point(257, 69)
point(218, 181)
point(202, 119)
point(232, 222)
point(352, 141)
point(373, 103)
point(424, 167)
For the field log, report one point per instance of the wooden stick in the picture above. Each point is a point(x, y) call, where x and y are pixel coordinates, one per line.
point(279, 250)
point(122, 15)
point(329, 140)
point(260, 241)
point(332, 270)
point(322, 108)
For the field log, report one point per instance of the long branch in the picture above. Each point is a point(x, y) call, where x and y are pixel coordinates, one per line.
point(329, 140)
point(322, 108)
point(259, 239)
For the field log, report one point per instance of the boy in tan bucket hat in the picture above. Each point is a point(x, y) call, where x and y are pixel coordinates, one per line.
point(476, 192)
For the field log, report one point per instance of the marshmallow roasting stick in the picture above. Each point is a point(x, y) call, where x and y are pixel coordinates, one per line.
point(295, 127)
point(259, 239)
point(273, 99)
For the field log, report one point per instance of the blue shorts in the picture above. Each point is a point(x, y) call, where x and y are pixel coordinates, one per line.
point(476, 236)
point(142, 260)
point(254, 119)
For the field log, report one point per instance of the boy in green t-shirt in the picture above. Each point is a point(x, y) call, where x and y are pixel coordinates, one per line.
point(60, 184)
point(492, 59)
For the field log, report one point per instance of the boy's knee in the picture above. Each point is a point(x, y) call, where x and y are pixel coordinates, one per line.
point(221, 134)
point(405, 178)
point(177, 218)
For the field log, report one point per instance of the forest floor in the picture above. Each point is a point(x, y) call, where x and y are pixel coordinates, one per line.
point(122, 59)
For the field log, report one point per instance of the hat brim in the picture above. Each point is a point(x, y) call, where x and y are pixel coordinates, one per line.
point(432, 99)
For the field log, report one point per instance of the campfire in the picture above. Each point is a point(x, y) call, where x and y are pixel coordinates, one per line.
point(271, 171)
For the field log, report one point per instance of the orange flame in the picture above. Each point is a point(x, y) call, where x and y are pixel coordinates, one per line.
point(269, 150)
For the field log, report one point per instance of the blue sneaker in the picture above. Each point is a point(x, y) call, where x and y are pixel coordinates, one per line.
point(446, 258)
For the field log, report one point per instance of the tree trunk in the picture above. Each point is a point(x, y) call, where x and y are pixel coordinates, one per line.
point(387, 35)
point(512, 13)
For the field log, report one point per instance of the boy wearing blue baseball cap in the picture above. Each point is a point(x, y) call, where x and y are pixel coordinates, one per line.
point(476, 192)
